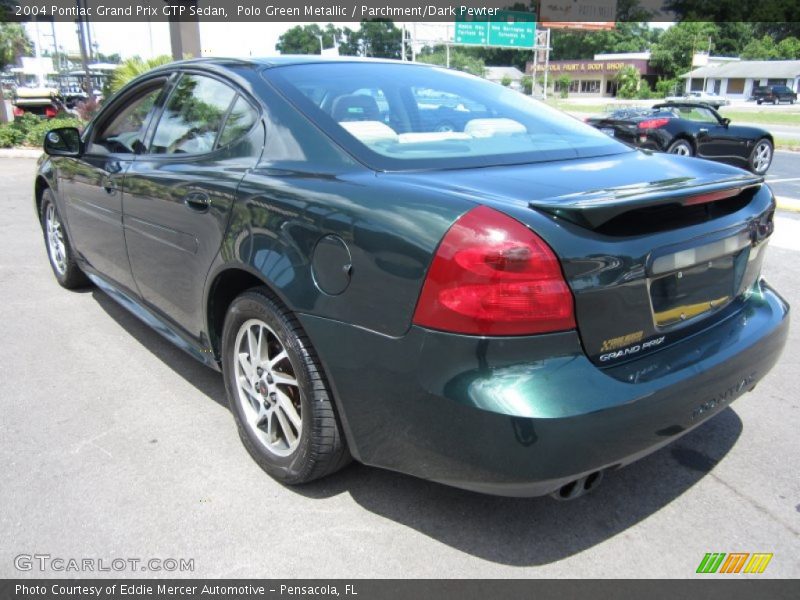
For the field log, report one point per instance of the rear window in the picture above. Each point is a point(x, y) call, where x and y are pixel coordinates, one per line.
point(396, 116)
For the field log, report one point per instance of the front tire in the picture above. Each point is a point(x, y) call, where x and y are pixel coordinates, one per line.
point(59, 251)
point(761, 157)
point(278, 393)
point(681, 148)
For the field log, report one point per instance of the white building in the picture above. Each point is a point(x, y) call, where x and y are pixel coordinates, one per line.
point(497, 74)
point(736, 79)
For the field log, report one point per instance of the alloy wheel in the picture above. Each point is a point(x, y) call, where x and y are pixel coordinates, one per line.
point(681, 149)
point(762, 156)
point(267, 386)
point(57, 249)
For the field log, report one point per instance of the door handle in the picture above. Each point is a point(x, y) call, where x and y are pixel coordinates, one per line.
point(198, 201)
point(702, 130)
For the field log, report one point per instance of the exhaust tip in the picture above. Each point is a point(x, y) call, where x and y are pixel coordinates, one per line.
point(579, 487)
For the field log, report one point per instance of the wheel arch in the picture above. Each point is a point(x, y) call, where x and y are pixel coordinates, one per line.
point(40, 185)
point(224, 286)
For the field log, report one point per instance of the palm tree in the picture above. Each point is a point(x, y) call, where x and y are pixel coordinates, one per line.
point(14, 42)
point(133, 67)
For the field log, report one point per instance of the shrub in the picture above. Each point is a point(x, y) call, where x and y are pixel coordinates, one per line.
point(564, 81)
point(10, 136)
point(527, 84)
point(505, 81)
point(35, 135)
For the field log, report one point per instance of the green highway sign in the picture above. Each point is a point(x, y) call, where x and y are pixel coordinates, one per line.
point(508, 29)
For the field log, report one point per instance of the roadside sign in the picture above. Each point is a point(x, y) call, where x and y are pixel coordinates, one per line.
point(509, 29)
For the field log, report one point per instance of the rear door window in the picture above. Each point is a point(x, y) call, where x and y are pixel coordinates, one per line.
point(193, 116)
point(240, 120)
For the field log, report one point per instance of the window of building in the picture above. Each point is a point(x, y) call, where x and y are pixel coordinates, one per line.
point(590, 87)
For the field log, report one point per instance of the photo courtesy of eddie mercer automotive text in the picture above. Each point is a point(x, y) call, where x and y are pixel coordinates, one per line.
point(418, 269)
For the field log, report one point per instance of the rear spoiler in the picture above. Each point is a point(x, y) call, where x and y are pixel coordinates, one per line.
point(596, 207)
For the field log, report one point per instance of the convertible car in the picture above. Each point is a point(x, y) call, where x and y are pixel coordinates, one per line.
point(690, 129)
point(517, 307)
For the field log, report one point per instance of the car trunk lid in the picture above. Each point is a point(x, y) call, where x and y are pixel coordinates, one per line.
point(663, 248)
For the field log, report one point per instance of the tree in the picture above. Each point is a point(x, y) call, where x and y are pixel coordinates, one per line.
point(672, 55)
point(381, 39)
point(132, 68)
point(460, 60)
point(14, 43)
point(628, 80)
point(765, 48)
point(305, 39)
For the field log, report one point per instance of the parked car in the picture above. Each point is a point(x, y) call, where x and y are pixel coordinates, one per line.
point(774, 94)
point(516, 308)
point(709, 98)
point(690, 129)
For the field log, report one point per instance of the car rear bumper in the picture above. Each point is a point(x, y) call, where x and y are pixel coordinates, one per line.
point(524, 416)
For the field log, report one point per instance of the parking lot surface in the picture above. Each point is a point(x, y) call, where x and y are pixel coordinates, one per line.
point(115, 444)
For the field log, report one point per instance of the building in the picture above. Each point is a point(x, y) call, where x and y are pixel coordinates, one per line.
point(498, 74)
point(737, 78)
point(595, 77)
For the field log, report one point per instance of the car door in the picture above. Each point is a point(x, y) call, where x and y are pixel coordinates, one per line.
point(179, 193)
point(91, 186)
point(714, 139)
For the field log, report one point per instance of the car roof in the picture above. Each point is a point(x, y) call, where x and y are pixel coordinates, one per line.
point(284, 60)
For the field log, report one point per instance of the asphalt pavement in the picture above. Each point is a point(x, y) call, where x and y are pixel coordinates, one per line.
point(116, 445)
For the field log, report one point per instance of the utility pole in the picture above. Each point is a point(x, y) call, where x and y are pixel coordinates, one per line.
point(184, 32)
point(87, 80)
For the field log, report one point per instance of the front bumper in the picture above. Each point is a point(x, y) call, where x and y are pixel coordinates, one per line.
point(523, 416)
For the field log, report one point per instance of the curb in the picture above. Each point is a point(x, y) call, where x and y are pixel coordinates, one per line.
point(790, 204)
point(20, 153)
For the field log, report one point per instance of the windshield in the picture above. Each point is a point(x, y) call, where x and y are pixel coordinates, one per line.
point(400, 116)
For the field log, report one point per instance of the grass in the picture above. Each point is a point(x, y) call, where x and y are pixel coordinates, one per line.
point(761, 116)
point(787, 144)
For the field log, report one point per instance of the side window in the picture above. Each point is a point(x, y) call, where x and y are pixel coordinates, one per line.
point(193, 116)
point(241, 118)
point(124, 133)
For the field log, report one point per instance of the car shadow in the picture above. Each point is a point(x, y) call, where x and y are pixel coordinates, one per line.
point(509, 531)
point(206, 380)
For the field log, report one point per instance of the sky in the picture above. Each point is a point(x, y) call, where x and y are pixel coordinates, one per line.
point(152, 39)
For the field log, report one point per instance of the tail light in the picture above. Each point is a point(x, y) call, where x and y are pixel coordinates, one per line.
point(50, 112)
point(18, 112)
point(493, 276)
point(652, 123)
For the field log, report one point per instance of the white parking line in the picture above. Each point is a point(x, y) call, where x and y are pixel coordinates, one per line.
point(782, 180)
point(786, 234)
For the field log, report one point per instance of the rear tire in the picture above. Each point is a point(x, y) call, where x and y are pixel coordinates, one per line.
point(59, 250)
point(761, 157)
point(681, 147)
point(278, 393)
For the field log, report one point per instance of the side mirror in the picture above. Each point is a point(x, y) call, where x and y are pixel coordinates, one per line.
point(726, 121)
point(64, 141)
